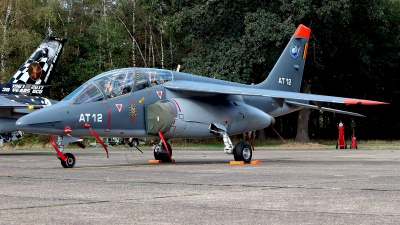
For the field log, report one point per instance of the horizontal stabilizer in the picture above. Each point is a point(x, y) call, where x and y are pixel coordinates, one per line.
point(23, 101)
point(323, 108)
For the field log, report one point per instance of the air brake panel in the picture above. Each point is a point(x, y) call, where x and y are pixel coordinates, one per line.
point(158, 118)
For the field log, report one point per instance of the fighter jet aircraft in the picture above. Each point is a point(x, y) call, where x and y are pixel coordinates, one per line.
point(152, 103)
point(27, 86)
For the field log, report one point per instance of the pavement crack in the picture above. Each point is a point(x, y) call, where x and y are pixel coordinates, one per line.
point(54, 205)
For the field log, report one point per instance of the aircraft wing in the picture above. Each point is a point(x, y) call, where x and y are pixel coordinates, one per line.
point(6, 103)
point(10, 103)
point(209, 89)
point(302, 105)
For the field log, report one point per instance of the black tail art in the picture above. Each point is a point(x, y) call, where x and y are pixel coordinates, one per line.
point(34, 75)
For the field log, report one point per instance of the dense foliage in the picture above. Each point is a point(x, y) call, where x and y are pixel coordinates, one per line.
point(354, 50)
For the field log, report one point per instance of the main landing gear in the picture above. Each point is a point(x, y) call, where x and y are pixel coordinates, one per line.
point(160, 153)
point(163, 150)
point(243, 150)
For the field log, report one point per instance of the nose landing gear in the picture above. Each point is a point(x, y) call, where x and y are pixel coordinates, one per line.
point(68, 159)
point(70, 162)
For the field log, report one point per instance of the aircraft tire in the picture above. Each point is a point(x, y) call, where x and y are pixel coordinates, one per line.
point(243, 152)
point(70, 162)
point(163, 156)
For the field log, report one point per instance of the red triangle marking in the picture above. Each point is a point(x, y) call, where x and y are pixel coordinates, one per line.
point(159, 93)
point(119, 107)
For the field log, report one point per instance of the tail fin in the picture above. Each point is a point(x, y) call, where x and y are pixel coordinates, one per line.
point(288, 70)
point(34, 75)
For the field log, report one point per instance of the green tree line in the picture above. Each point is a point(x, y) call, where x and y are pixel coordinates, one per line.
point(354, 48)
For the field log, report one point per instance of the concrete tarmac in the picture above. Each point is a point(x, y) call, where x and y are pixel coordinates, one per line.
point(201, 187)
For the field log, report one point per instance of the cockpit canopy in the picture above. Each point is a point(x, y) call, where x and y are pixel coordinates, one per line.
point(118, 82)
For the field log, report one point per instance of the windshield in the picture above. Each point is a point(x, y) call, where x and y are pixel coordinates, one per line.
point(90, 94)
point(72, 94)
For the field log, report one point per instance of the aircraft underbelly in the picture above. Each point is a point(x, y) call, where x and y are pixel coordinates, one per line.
point(188, 129)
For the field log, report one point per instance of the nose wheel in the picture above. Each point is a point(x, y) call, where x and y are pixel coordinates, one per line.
point(70, 162)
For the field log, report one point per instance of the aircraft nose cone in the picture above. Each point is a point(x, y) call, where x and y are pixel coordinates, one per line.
point(25, 124)
point(38, 122)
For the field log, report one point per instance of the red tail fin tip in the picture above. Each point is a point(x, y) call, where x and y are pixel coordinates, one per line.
point(302, 31)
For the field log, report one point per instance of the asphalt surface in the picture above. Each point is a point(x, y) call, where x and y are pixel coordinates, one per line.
point(201, 187)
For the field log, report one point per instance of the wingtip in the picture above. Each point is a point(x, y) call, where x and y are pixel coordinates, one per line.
point(349, 101)
point(302, 31)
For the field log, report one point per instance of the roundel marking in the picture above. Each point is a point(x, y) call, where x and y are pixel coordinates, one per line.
point(132, 109)
point(294, 51)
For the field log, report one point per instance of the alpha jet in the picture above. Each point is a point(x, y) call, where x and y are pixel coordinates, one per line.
point(146, 102)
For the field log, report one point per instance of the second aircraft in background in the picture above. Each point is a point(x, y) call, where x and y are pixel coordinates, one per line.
point(27, 86)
